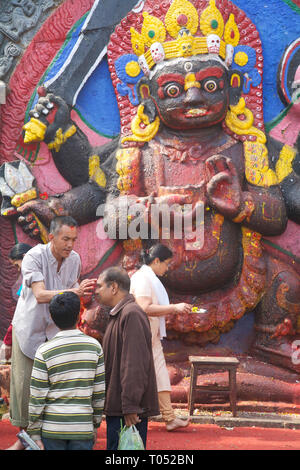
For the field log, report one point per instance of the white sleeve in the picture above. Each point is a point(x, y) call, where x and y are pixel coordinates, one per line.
point(31, 269)
point(140, 286)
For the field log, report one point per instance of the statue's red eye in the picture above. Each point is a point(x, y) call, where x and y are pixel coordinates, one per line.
point(173, 90)
point(210, 86)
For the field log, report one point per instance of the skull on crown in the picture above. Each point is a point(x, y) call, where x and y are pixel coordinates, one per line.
point(157, 52)
point(213, 43)
point(229, 54)
point(143, 64)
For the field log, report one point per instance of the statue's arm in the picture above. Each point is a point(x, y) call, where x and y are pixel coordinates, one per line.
point(286, 164)
point(81, 202)
point(262, 206)
point(87, 169)
point(259, 206)
point(267, 214)
point(290, 187)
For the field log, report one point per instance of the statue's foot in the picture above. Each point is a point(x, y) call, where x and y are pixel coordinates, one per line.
point(283, 351)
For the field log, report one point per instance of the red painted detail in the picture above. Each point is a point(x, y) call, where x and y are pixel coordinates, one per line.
point(170, 77)
point(235, 82)
point(210, 72)
point(182, 19)
point(42, 91)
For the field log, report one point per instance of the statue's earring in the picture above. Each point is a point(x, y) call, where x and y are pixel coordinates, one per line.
point(236, 85)
point(145, 124)
point(142, 129)
point(235, 80)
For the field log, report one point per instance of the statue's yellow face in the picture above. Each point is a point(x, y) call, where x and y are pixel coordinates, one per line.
point(191, 94)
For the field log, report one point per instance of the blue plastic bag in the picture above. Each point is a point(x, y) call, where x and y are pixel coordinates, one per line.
point(130, 439)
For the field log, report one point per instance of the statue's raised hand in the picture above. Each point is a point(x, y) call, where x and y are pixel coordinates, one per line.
point(223, 188)
point(35, 217)
point(50, 114)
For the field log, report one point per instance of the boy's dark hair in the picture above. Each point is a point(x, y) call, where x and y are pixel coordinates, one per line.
point(18, 251)
point(118, 275)
point(59, 221)
point(64, 310)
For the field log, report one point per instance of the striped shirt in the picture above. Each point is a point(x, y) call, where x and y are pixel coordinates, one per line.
point(67, 387)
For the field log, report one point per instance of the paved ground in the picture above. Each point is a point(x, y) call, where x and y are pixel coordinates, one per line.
point(215, 431)
point(275, 427)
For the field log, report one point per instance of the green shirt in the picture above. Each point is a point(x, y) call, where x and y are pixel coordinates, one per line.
point(67, 387)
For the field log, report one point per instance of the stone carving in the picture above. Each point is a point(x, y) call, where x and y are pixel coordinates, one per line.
point(35, 60)
point(11, 51)
point(182, 144)
point(21, 15)
point(17, 18)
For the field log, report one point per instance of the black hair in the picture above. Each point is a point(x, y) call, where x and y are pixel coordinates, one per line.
point(118, 275)
point(18, 251)
point(160, 251)
point(59, 221)
point(64, 310)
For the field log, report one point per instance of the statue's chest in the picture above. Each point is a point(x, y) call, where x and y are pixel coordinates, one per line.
point(174, 173)
point(178, 166)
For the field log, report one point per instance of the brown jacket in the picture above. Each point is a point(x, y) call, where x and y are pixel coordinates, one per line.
point(129, 368)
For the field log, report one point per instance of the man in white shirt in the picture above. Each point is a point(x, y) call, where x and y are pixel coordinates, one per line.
point(47, 270)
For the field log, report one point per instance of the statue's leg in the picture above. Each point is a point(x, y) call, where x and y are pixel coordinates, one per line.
point(277, 318)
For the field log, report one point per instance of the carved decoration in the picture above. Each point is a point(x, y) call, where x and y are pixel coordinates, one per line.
point(17, 18)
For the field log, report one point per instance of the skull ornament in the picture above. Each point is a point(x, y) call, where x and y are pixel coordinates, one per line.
point(229, 54)
point(157, 52)
point(143, 64)
point(213, 43)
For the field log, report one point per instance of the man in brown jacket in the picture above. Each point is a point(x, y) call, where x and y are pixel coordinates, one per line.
point(131, 392)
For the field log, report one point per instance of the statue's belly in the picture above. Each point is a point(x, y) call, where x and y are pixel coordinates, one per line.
point(218, 262)
point(216, 265)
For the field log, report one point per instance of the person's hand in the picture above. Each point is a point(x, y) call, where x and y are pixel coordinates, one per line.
point(86, 287)
point(5, 351)
point(131, 419)
point(95, 435)
point(40, 444)
point(182, 308)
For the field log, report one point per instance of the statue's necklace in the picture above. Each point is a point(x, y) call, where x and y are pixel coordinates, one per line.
point(180, 151)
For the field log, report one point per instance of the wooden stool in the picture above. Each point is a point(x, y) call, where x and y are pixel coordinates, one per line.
point(216, 363)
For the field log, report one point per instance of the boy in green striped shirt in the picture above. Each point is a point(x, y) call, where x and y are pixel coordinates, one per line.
point(67, 388)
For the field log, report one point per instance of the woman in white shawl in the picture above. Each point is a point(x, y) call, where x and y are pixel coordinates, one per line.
point(152, 296)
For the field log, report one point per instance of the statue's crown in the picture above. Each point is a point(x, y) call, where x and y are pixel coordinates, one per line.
point(183, 24)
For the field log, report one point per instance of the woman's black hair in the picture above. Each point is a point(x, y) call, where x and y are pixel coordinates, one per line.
point(158, 250)
point(18, 251)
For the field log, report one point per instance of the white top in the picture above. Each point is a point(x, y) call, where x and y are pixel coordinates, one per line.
point(145, 283)
point(32, 322)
